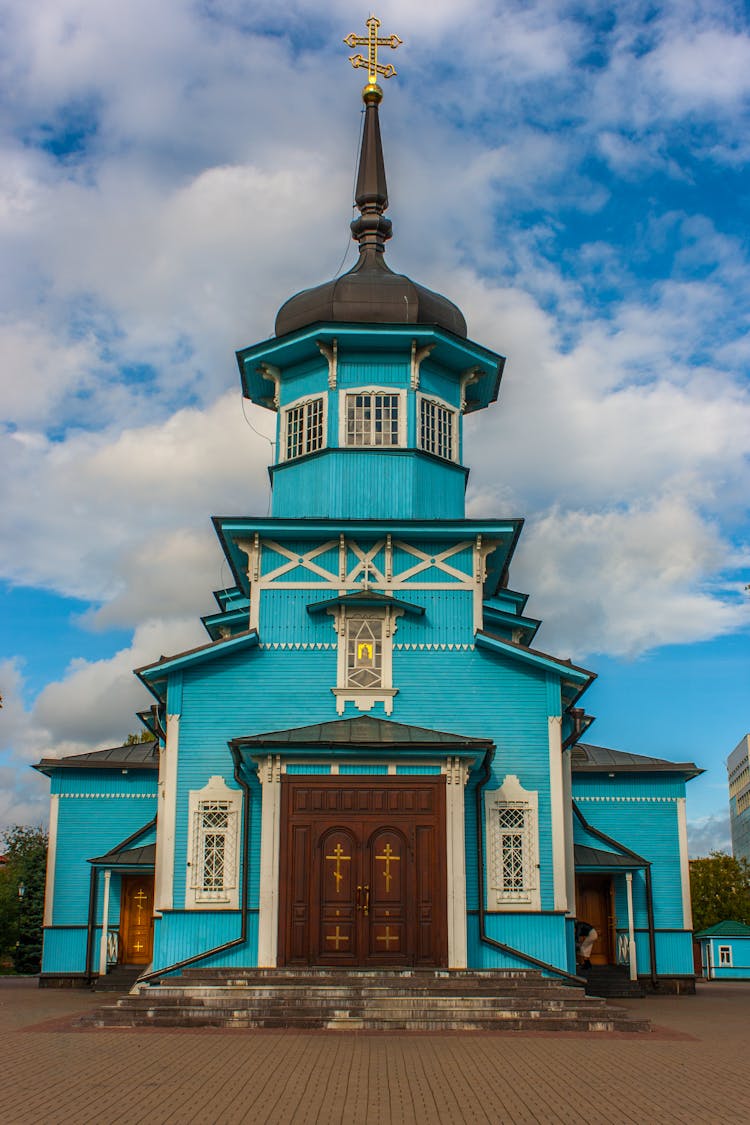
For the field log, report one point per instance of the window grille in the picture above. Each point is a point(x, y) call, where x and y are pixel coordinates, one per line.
point(372, 419)
point(513, 870)
point(436, 429)
point(364, 652)
point(725, 955)
point(214, 851)
point(304, 428)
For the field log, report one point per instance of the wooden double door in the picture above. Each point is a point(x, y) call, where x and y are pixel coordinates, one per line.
point(363, 872)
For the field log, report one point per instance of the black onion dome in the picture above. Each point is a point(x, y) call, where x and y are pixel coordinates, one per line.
point(370, 293)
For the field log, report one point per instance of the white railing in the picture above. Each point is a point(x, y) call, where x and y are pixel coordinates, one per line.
point(113, 947)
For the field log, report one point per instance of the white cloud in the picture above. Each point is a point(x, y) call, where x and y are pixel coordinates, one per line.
point(708, 834)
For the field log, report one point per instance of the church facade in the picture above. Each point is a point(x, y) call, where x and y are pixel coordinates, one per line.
point(368, 763)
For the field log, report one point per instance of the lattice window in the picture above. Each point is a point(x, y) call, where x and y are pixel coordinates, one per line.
point(364, 652)
point(512, 847)
point(304, 428)
point(437, 429)
point(725, 955)
point(213, 866)
point(372, 419)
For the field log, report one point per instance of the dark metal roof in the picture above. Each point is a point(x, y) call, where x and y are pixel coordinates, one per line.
point(365, 598)
point(370, 293)
point(596, 857)
point(362, 731)
point(144, 856)
point(141, 755)
point(600, 759)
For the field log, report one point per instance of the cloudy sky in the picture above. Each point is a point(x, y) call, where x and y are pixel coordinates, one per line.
point(573, 174)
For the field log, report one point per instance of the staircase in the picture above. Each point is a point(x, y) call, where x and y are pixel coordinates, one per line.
point(611, 982)
point(119, 979)
point(391, 1000)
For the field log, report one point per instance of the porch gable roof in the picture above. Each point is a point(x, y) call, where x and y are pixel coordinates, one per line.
point(363, 732)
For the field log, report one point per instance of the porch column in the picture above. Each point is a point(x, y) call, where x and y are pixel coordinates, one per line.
point(105, 924)
point(269, 775)
point(456, 775)
point(632, 952)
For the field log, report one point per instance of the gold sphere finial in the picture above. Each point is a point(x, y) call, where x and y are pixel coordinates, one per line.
point(372, 93)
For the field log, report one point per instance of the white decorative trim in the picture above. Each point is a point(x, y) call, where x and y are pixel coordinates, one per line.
point(456, 775)
point(615, 798)
point(434, 646)
point(49, 886)
point(273, 374)
point(113, 796)
point(510, 795)
point(682, 834)
point(269, 775)
point(418, 355)
point(331, 353)
point(307, 645)
point(166, 817)
point(557, 812)
point(364, 699)
point(197, 897)
point(465, 379)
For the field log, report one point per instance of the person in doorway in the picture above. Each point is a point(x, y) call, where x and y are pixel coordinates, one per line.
point(586, 936)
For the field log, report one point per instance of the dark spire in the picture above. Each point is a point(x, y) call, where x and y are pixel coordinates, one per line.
point(371, 230)
point(370, 293)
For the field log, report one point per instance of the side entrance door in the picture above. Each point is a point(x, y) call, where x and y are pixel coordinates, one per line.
point(363, 873)
point(137, 919)
point(595, 905)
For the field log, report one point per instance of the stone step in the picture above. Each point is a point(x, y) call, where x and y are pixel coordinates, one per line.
point(288, 994)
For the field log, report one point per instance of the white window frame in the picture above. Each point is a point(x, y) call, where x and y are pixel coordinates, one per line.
point(197, 896)
point(440, 404)
point(512, 796)
point(305, 402)
point(364, 698)
point(725, 957)
point(396, 392)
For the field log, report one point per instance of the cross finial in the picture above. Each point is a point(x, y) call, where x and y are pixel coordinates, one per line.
point(372, 41)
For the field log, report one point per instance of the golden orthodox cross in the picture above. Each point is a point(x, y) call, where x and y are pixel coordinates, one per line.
point(389, 857)
point(338, 856)
point(372, 41)
point(388, 937)
point(337, 937)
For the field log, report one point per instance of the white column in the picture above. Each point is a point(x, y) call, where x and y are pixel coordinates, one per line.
point(632, 952)
point(687, 906)
point(269, 774)
point(556, 796)
point(105, 924)
point(570, 860)
point(166, 816)
point(49, 887)
point(456, 774)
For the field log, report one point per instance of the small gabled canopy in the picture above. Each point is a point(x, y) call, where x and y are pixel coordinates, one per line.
point(363, 732)
point(586, 758)
point(599, 860)
point(129, 853)
point(726, 929)
point(139, 755)
point(369, 598)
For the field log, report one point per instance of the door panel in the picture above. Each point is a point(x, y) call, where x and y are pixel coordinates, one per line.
point(363, 872)
point(594, 904)
point(137, 919)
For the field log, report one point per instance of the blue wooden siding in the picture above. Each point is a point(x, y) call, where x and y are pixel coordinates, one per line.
point(740, 967)
point(64, 950)
point(178, 935)
point(342, 483)
point(542, 935)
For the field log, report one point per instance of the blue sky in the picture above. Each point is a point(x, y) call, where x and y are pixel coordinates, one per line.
point(574, 175)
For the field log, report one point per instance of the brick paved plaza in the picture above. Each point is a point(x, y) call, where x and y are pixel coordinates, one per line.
point(693, 1068)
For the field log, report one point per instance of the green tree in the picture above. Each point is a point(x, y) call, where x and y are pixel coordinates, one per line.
point(22, 897)
point(142, 736)
point(719, 889)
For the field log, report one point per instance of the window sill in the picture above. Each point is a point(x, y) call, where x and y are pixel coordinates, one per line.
point(364, 699)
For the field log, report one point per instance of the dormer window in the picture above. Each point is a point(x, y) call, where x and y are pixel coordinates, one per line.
point(374, 419)
point(304, 428)
point(438, 428)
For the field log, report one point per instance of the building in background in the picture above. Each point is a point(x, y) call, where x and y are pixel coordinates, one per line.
point(738, 769)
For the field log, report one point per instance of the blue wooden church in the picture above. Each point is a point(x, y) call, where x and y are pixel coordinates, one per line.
point(368, 763)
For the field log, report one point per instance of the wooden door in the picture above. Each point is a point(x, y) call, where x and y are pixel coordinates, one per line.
point(137, 919)
point(595, 905)
point(363, 873)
